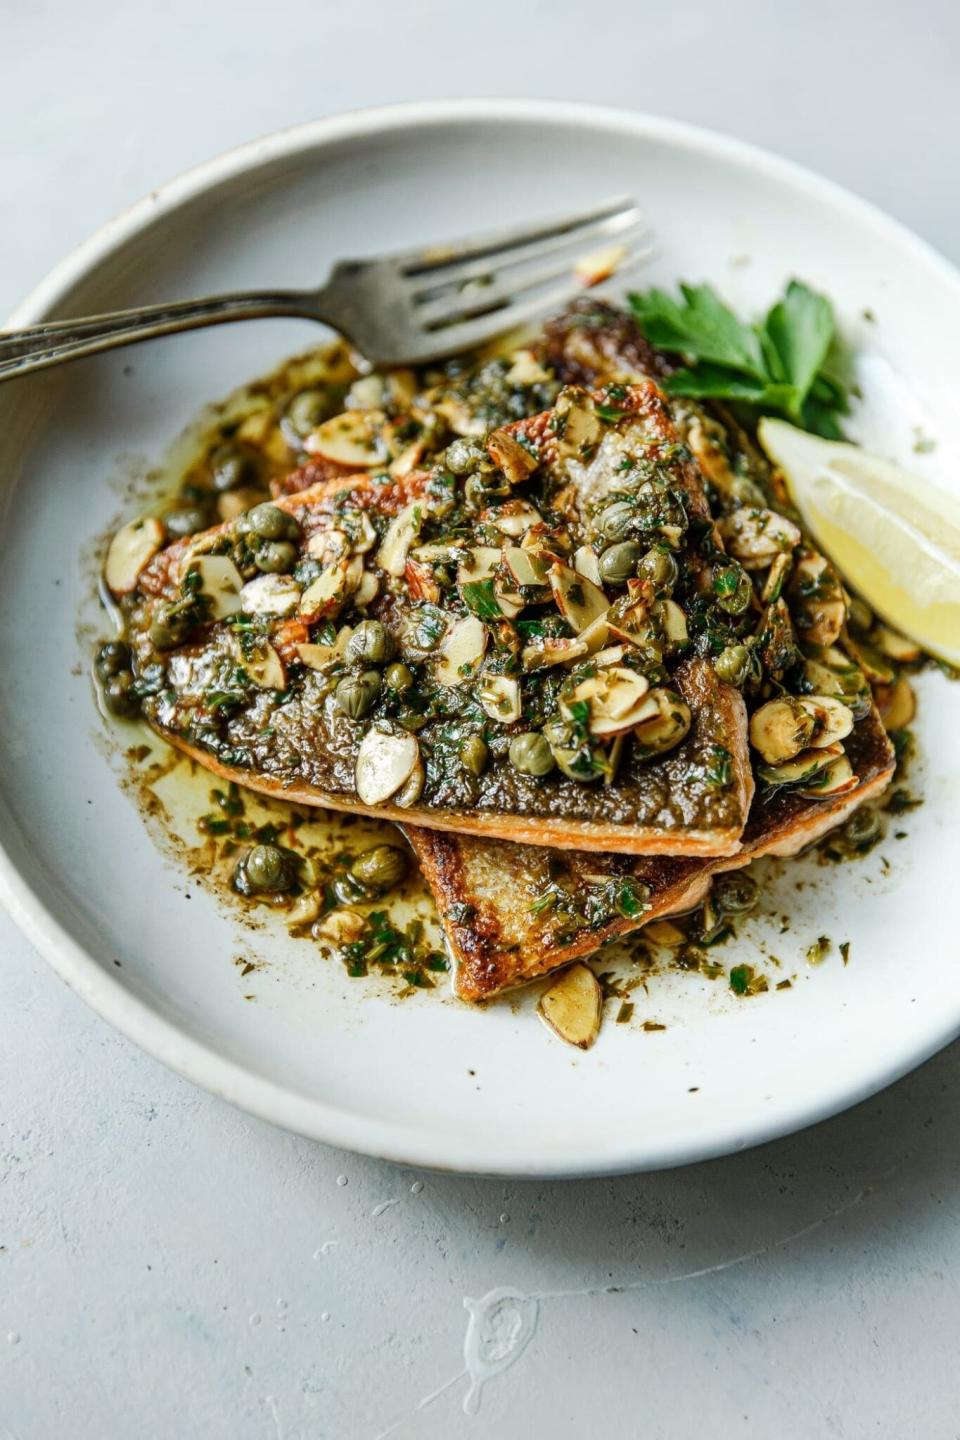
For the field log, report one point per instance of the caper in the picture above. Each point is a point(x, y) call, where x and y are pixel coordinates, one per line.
point(733, 589)
point(271, 523)
point(863, 827)
point(474, 754)
point(475, 493)
point(118, 695)
point(230, 467)
point(462, 457)
point(619, 562)
point(531, 755)
point(264, 869)
point(746, 491)
point(171, 624)
point(733, 664)
point(112, 657)
point(660, 568)
point(398, 677)
point(276, 557)
point(370, 644)
point(735, 894)
point(859, 613)
point(380, 869)
point(357, 694)
point(186, 521)
point(614, 520)
point(306, 411)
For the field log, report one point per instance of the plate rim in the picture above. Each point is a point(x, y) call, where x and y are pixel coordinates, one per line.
point(411, 1143)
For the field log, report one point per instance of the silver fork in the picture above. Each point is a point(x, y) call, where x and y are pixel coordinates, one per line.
point(396, 309)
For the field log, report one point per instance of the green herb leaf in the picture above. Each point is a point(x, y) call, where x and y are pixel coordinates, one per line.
point(776, 367)
point(479, 596)
point(800, 330)
point(703, 328)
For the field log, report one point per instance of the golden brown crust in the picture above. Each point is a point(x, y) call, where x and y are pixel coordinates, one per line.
point(485, 891)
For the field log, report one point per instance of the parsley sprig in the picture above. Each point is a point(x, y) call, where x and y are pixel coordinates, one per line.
point(776, 366)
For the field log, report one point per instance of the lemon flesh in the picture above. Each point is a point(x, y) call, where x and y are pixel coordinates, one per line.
point(894, 537)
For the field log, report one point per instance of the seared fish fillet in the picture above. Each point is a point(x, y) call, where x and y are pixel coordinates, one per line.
point(490, 896)
point(286, 735)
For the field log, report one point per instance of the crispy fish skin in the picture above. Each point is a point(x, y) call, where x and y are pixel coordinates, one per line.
point(667, 805)
point(485, 892)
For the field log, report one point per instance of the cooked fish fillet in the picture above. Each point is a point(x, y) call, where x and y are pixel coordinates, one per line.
point(488, 894)
point(693, 800)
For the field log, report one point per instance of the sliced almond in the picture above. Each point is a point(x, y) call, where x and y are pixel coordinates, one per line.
point(410, 792)
point(834, 720)
point(819, 607)
point(896, 703)
point(461, 650)
point(360, 532)
point(756, 536)
point(612, 655)
point(130, 552)
point(580, 430)
point(544, 651)
point(354, 438)
point(801, 768)
point(572, 1006)
point(421, 584)
point(437, 553)
point(222, 584)
point(776, 578)
point(895, 646)
point(514, 459)
point(617, 700)
point(585, 562)
point(317, 657)
point(343, 927)
point(578, 599)
point(664, 932)
point(781, 728)
point(499, 696)
point(595, 635)
point(367, 591)
point(594, 269)
point(874, 664)
point(526, 568)
point(514, 518)
point(401, 533)
point(479, 563)
point(270, 595)
point(407, 461)
point(674, 622)
point(304, 910)
point(668, 727)
point(837, 778)
point(385, 762)
point(526, 370)
point(328, 545)
point(330, 591)
point(266, 669)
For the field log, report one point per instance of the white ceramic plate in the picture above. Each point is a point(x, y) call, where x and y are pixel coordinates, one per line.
point(431, 1082)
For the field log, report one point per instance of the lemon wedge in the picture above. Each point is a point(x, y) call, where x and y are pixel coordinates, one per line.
point(894, 537)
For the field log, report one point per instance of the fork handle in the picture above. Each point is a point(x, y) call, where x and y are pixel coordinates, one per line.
point(23, 351)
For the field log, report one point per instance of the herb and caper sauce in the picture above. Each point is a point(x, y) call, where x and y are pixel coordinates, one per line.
point(470, 635)
point(532, 602)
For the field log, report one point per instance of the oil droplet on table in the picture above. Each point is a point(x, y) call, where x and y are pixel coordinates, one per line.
point(13, 1338)
point(255, 1318)
point(416, 1187)
point(342, 1180)
point(501, 1325)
